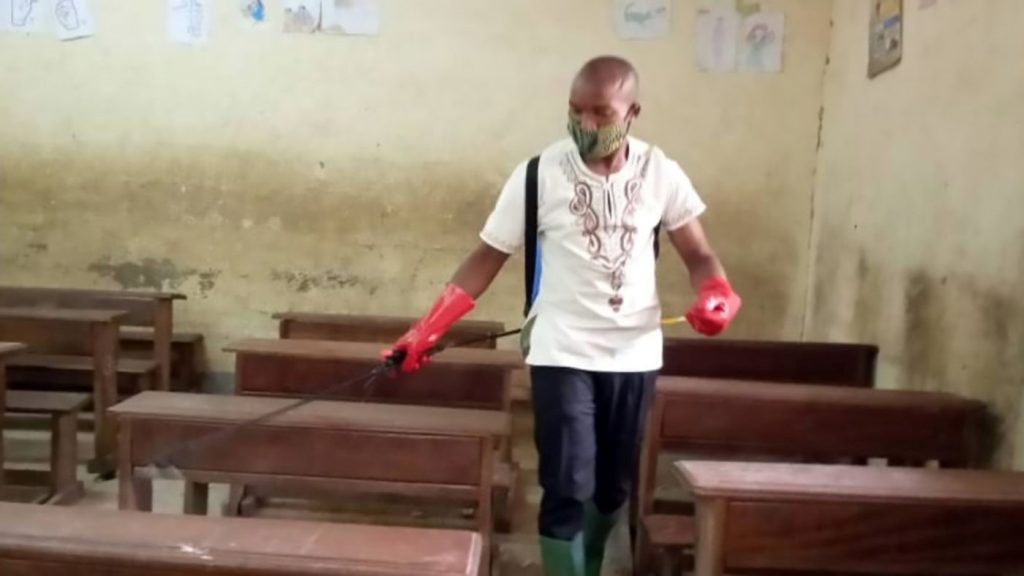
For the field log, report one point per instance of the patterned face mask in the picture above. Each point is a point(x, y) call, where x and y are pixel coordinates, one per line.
point(594, 143)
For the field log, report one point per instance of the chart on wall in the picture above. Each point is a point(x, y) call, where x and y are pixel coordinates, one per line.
point(739, 36)
point(73, 19)
point(761, 42)
point(351, 17)
point(188, 21)
point(301, 16)
point(885, 45)
point(28, 16)
point(642, 19)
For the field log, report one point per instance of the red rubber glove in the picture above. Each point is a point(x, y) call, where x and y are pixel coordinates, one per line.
point(716, 306)
point(452, 304)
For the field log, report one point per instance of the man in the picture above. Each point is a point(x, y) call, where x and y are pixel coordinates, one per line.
point(593, 332)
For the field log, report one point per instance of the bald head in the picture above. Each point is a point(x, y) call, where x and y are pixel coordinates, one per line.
point(605, 91)
point(610, 73)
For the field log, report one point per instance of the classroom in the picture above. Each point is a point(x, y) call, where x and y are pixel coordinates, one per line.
point(544, 287)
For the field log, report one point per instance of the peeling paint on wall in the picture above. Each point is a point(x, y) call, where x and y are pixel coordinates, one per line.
point(303, 282)
point(152, 273)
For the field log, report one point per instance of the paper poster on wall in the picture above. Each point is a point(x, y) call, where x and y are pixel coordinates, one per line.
point(188, 21)
point(642, 19)
point(761, 41)
point(351, 17)
point(885, 45)
point(73, 19)
point(301, 16)
point(27, 16)
point(716, 38)
point(254, 13)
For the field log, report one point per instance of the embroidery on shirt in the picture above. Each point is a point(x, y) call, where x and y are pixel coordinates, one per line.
point(588, 219)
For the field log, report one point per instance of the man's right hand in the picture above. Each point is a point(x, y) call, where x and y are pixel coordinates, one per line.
point(415, 345)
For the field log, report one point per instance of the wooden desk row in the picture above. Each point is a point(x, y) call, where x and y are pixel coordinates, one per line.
point(712, 419)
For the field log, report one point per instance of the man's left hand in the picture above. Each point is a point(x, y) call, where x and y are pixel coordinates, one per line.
point(715, 308)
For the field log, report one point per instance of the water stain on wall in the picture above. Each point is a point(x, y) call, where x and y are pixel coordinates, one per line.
point(303, 282)
point(152, 273)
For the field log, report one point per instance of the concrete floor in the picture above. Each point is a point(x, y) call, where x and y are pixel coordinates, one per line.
point(516, 554)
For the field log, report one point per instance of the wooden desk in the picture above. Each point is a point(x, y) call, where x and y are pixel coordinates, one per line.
point(83, 330)
point(476, 379)
point(322, 448)
point(144, 309)
point(381, 329)
point(821, 363)
point(57, 541)
point(855, 519)
point(7, 349)
point(705, 417)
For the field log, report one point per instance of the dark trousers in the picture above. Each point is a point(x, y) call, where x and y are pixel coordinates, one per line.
point(587, 428)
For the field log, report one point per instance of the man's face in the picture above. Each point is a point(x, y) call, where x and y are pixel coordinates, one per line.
point(598, 105)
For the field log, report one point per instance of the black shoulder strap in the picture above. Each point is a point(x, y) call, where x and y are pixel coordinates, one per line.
point(530, 232)
point(657, 241)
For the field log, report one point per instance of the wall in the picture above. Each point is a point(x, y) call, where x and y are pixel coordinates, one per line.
point(266, 172)
point(918, 236)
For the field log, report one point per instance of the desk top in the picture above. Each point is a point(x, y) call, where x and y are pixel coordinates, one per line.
point(803, 482)
point(317, 414)
point(10, 348)
point(273, 546)
point(62, 314)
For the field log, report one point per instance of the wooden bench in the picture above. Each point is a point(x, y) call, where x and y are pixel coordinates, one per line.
point(52, 541)
point(458, 378)
point(320, 449)
point(63, 486)
point(56, 334)
point(767, 361)
point(153, 311)
point(381, 329)
point(706, 417)
point(187, 355)
point(7, 351)
point(771, 518)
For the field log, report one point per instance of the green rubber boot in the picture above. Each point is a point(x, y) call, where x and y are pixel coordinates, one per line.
point(562, 557)
point(596, 528)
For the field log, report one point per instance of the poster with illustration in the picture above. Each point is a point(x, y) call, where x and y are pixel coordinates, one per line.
point(351, 17)
point(27, 16)
point(73, 19)
point(254, 13)
point(716, 38)
point(761, 40)
point(885, 45)
point(188, 21)
point(301, 16)
point(642, 19)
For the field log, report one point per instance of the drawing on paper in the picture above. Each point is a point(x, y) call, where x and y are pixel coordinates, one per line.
point(716, 39)
point(188, 21)
point(254, 11)
point(642, 19)
point(302, 16)
point(67, 14)
point(761, 42)
point(22, 12)
point(353, 17)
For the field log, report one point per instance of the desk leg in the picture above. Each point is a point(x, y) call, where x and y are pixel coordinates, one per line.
point(104, 391)
point(133, 493)
point(163, 327)
point(3, 409)
point(197, 498)
point(710, 552)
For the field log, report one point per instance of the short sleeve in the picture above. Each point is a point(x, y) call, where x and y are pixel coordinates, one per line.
point(504, 229)
point(682, 203)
